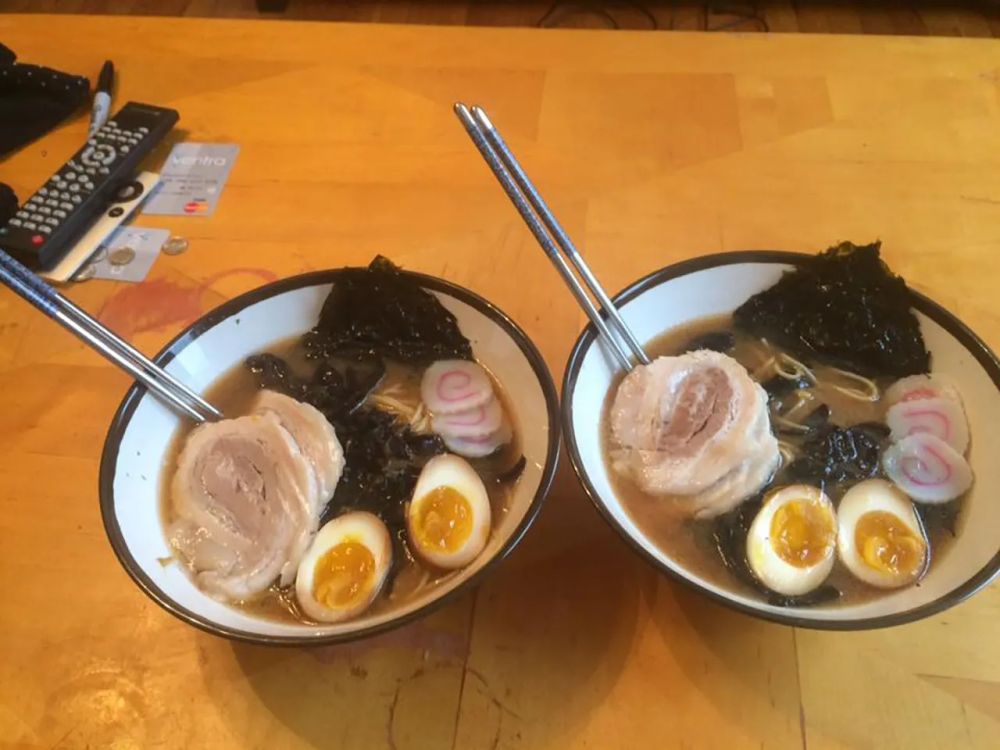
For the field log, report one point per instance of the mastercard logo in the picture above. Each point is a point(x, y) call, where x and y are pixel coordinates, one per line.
point(195, 206)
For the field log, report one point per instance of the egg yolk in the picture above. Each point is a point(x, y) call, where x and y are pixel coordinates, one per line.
point(343, 574)
point(802, 532)
point(443, 519)
point(887, 544)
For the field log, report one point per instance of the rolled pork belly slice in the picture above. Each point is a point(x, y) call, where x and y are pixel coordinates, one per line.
point(242, 495)
point(315, 437)
point(744, 481)
point(684, 423)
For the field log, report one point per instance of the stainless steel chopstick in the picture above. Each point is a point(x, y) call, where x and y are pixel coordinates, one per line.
point(523, 207)
point(529, 202)
point(534, 224)
point(43, 297)
point(555, 228)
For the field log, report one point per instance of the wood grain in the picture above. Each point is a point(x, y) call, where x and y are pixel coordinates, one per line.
point(652, 148)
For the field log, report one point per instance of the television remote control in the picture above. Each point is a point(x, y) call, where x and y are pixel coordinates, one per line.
point(51, 220)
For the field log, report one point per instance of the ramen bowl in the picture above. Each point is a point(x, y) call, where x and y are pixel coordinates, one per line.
point(717, 285)
point(134, 464)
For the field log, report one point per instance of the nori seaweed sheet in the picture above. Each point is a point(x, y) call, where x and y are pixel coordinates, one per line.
point(845, 308)
point(380, 311)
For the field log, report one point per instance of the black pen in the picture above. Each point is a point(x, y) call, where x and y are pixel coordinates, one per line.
point(102, 97)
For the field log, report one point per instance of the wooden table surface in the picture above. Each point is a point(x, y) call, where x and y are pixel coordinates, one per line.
point(652, 148)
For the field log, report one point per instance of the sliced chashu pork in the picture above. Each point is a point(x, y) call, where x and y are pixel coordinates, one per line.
point(745, 480)
point(243, 496)
point(315, 437)
point(752, 467)
point(695, 428)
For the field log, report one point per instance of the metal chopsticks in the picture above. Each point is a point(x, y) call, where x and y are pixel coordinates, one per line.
point(550, 234)
point(46, 299)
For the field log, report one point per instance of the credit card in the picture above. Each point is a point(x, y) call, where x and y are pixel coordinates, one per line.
point(192, 179)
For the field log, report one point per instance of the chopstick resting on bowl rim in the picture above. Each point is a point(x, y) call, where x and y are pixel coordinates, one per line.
point(549, 234)
point(108, 344)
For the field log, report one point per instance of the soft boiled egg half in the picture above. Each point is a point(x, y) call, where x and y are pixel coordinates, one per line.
point(791, 543)
point(881, 539)
point(344, 568)
point(448, 520)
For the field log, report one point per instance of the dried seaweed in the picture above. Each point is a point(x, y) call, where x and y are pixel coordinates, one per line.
point(371, 315)
point(845, 308)
point(836, 455)
point(382, 457)
point(817, 418)
point(778, 387)
point(381, 311)
point(715, 341)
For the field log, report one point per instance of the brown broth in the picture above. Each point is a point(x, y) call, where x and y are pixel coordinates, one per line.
point(690, 542)
point(234, 391)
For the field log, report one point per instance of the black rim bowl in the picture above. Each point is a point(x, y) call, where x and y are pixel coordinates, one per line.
point(982, 353)
point(130, 402)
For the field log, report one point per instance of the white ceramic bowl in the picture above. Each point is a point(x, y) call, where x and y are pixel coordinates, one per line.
point(718, 284)
point(132, 464)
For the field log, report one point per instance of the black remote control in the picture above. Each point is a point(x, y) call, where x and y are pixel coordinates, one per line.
point(46, 226)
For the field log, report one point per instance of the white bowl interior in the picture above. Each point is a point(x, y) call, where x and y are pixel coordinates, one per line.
point(140, 469)
point(719, 290)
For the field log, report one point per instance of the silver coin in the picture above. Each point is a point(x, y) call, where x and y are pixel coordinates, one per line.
point(87, 272)
point(121, 256)
point(175, 246)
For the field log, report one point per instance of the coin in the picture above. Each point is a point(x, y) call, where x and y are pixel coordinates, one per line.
point(121, 256)
point(175, 246)
point(87, 272)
